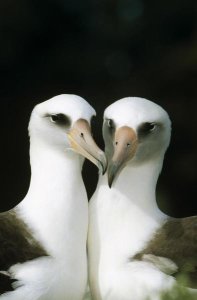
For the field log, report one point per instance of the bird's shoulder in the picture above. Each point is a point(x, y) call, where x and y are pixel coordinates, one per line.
point(17, 241)
point(174, 247)
point(17, 245)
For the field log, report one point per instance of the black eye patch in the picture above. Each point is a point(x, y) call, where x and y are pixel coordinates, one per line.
point(110, 124)
point(146, 128)
point(60, 119)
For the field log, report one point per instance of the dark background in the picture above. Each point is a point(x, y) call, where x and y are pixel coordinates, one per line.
point(102, 51)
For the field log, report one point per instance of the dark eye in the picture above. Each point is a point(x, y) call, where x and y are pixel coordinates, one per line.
point(60, 119)
point(110, 123)
point(149, 126)
point(146, 128)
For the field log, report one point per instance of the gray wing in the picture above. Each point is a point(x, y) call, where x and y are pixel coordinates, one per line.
point(17, 245)
point(175, 241)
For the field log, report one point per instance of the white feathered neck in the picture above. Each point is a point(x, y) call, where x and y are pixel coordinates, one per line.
point(56, 203)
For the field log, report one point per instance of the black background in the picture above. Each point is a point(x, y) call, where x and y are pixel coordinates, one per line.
point(102, 51)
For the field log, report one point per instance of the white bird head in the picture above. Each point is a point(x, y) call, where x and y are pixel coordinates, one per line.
point(135, 131)
point(63, 122)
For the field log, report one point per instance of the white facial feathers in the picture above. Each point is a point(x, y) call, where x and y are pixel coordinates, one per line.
point(132, 111)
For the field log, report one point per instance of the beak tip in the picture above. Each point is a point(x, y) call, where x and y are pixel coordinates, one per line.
point(104, 169)
point(103, 163)
point(110, 185)
point(110, 181)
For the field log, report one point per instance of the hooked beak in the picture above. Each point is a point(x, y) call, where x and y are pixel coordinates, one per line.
point(125, 145)
point(83, 143)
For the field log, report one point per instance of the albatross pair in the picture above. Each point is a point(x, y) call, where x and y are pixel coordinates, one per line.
point(43, 239)
point(135, 249)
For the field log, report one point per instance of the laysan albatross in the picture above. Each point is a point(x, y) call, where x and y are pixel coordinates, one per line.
point(43, 239)
point(134, 248)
